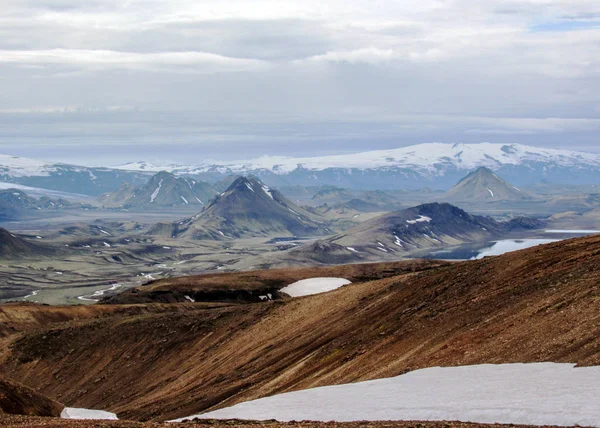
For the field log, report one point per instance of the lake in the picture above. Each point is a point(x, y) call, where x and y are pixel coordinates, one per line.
point(495, 248)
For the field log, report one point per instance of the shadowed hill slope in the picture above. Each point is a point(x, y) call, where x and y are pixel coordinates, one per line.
point(16, 399)
point(14, 247)
point(539, 304)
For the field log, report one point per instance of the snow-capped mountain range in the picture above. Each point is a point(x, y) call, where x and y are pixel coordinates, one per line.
point(433, 158)
point(435, 165)
point(73, 179)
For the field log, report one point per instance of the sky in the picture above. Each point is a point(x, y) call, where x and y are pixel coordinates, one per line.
point(111, 81)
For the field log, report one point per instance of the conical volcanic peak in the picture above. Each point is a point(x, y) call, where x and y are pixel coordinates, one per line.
point(484, 185)
point(248, 208)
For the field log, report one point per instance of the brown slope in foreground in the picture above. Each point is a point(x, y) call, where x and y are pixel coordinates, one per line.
point(540, 304)
point(16, 399)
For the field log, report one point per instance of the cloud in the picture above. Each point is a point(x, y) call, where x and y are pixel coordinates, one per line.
point(104, 59)
point(338, 72)
point(365, 55)
point(499, 132)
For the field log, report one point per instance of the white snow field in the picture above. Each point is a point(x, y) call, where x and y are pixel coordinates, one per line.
point(421, 157)
point(307, 287)
point(74, 413)
point(534, 394)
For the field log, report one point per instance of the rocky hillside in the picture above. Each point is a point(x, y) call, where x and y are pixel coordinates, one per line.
point(247, 208)
point(363, 202)
point(324, 253)
point(162, 361)
point(332, 195)
point(119, 197)
point(162, 190)
point(426, 226)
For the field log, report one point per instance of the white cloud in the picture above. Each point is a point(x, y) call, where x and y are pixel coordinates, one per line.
point(366, 55)
point(499, 131)
point(433, 69)
point(200, 61)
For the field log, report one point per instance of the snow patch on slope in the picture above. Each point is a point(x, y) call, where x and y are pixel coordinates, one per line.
point(530, 394)
point(399, 242)
point(75, 413)
point(307, 287)
point(421, 219)
point(156, 192)
point(267, 191)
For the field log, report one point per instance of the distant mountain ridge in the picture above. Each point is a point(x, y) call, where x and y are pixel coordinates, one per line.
point(15, 202)
point(64, 177)
point(432, 164)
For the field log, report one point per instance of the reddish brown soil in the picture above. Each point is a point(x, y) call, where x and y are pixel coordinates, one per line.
point(165, 361)
point(17, 399)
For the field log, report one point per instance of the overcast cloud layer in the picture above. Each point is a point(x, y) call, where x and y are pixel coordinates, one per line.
point(109, 81)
